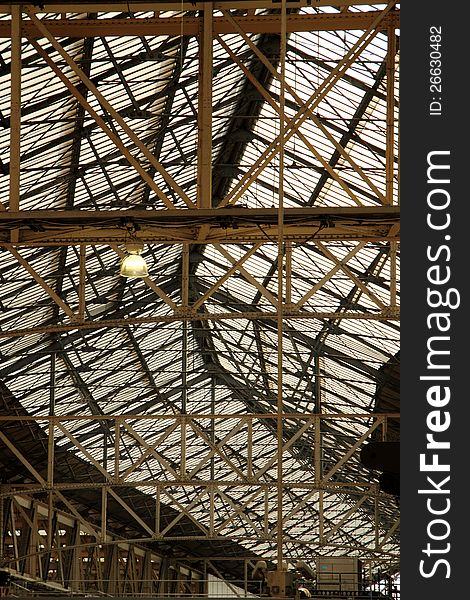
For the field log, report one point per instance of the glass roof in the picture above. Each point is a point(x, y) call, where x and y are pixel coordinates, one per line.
point(204, 366)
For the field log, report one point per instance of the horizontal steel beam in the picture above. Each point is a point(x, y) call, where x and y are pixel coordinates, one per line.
point(38, 228)
point(350, 487)
point(201, 216)
point(214, 234)
point(74, 236)
point(192, 26)
point(184, 418)
point(389, 314)
point(71, 6)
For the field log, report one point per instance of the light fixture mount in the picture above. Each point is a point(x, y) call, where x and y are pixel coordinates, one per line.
point(135, 247)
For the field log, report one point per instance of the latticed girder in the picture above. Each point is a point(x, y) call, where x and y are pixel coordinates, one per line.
point(260, 169)
point(225, 476)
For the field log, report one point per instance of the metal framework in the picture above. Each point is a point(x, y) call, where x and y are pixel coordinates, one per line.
point(155, 433)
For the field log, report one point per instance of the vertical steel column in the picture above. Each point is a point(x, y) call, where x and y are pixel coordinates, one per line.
point(318, 445)
point(104, 510)
point(31, 560)
point(183, 448)
point(52, 386)
point(2, 522)
point(81, 283)
point(50, 453)
point(15, 114)
point(390, 131)
point(266, 511)
point(288, 273)
point(117, 443)
point(280, 286)
point(393, 274)
point(245, 576)
point(211, 509)
point(184, 368)
point(157, 510)
point(318, 392)
point(384, 422)
point(390, 155)
point(321, 523)
point(205, 592)
point(376, 520)
point(184, 355)
point(14, 536)
point(212, 411)
point(318, 448)
point(204, 163)
point(317, 451)
point(50, 485)
point(249, 459)
point(185, 276)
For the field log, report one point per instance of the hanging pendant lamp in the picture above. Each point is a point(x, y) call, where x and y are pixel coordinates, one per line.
point(133, 265)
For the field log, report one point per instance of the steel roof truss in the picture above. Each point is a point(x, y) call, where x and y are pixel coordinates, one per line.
point(327, 84)
point(269, 98)
point(94, 90)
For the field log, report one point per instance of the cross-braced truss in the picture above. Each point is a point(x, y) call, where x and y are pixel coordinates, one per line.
point(216, 408)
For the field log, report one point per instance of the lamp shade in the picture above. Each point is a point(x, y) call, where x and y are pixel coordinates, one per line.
point(133, 266)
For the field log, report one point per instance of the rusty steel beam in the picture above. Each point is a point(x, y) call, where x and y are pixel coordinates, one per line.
point(82, 28)
point(313, 101)
point(69, 6)
point(15, 113)
point(39, 218)
point(204, 116)
point(179, 418)
point(72, 236)
point(389, 314)
point(38, 228)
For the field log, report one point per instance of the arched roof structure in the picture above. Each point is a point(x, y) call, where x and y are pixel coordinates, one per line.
point(217, 407)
